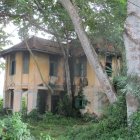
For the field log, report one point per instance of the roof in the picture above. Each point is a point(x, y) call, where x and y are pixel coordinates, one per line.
point(35, 44)
point(52, 47)
point(107, 49)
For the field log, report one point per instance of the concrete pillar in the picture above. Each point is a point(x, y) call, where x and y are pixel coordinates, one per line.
point(17, 100)
point(32, 99)
point(132, 105)
point(6, 101)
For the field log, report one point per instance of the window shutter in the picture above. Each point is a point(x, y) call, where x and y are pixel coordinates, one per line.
point(12, 65)
point(25, 63)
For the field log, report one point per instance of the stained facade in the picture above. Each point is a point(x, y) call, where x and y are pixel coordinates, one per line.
point(26, 76)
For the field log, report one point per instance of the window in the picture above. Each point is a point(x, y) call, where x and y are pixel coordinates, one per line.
point(81, 68)
point(12, 64)
point(53, 65)
point(25, 67)
point(108, 67)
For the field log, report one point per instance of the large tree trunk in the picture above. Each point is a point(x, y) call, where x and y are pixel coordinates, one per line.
point(68, 81)
point(132, 46)
point(89, 50)
point(67, 68)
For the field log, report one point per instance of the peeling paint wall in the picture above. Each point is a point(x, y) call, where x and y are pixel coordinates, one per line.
point(30, 81)
point(94, 92)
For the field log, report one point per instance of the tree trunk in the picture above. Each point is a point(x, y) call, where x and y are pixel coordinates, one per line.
point(89, 50)
point(132, 46)
point(68, 81)
point(67, 68)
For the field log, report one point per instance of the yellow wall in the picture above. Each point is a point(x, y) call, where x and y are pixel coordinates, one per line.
point(30, 81)
point(91, 76)
point(33, 79)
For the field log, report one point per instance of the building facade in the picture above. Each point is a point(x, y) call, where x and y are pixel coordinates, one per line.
point(27, 75)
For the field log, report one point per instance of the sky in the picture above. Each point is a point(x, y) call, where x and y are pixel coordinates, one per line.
point(12, 30)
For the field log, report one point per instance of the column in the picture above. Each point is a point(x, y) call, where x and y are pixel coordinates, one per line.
point(32, 99)
point(17, 100)
point(6, 101)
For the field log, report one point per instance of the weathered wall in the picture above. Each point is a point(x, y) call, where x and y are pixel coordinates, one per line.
point(94, 92)
point(20, 81)
point(30, 82)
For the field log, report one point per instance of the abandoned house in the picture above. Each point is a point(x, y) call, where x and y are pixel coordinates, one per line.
point(24, 75)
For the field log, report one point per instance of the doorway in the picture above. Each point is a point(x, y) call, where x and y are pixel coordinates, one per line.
point(24, 101)
point(54, 103)
point(11, 99)
point(42, 101)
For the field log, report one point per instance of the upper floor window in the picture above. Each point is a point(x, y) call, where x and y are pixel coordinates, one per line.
point(108, 66)
point(25, 60)
point(53, 65)
point(12, 64)
point(81, 68)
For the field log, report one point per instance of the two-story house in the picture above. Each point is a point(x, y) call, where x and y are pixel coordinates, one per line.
point(25, 75)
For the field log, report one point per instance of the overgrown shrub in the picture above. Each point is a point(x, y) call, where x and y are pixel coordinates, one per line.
point(90, 117)
point(134, 128)
point(119, 83)
point(112, 126)
point(65, 108)
point(12, 128)
point(34, 115)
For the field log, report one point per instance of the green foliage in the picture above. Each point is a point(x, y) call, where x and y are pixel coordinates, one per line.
point(113, 126)
point(90, 118)
point(135, 125)
point(12, 128)
point(133, 86)
point(80, 100)
point(33, 115)
point(54, 125)
point(46, 137)
point(129, 84)
point(65, 107)
point(119, 82)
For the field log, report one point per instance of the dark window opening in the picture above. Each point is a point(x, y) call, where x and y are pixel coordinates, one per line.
point(12, 65)
point(53, 69)
point(80, 103)
point(54, 103)
point(81, 68)
point(53, 66)
point(25, 63)
point(42, 101)
point(11, 99)
point(108, 67)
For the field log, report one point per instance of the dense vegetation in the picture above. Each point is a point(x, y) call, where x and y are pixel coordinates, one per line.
point(111, 126)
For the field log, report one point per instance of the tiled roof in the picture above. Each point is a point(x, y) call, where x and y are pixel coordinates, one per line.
point(77, 50)
point(52, 47)
point(35, 44)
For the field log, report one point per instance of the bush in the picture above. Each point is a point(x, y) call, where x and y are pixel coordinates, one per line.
point(90, 117)
point(65, 108)
point(12, 128)
point(34, 115)
point(112, 127)
point(134, 129)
